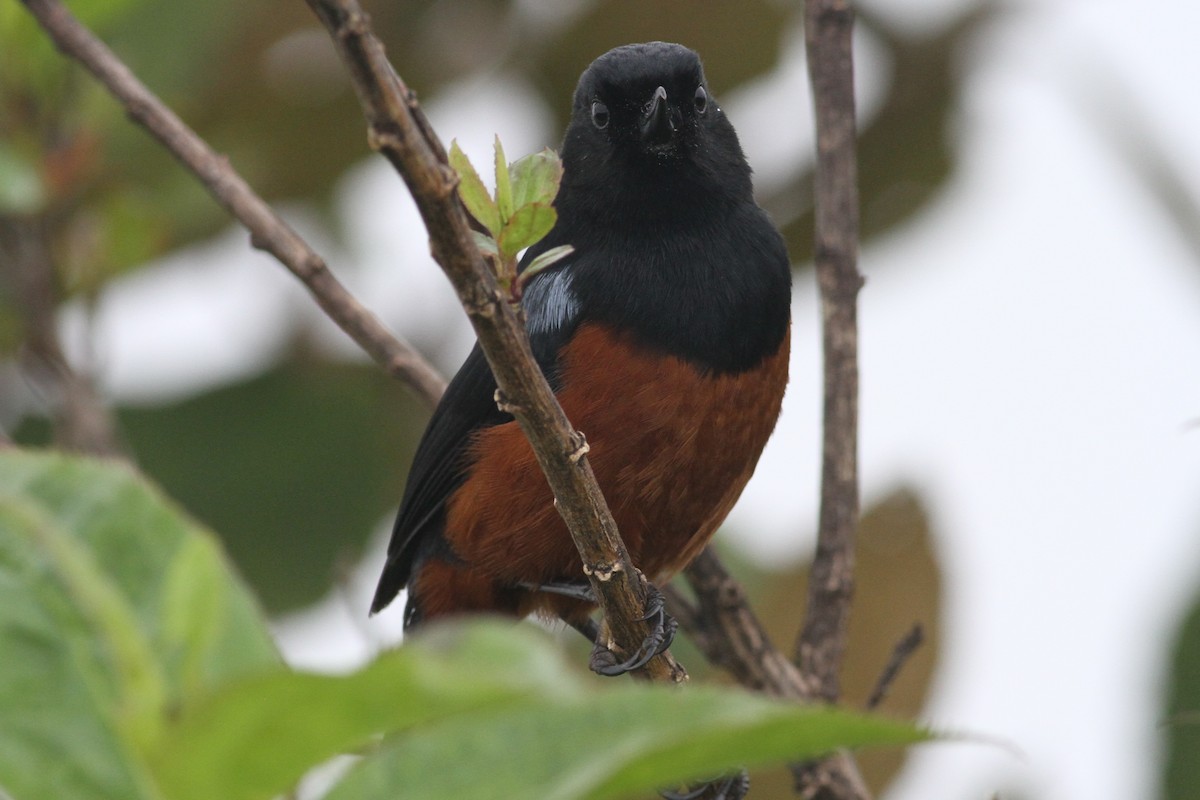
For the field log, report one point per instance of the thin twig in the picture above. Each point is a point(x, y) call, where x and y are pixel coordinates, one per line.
point(828, 26)
point(267, 230)
point(903, 650)
point(398, 128)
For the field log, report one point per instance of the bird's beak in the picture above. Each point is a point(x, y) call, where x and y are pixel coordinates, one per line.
point(657, 125)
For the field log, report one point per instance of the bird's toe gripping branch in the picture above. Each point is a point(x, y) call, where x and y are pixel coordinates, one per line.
point(662, 633)
point(603, 660)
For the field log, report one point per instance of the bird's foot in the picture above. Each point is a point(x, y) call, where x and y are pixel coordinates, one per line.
point(732, 787)
point(662, 632)
point(603, 660)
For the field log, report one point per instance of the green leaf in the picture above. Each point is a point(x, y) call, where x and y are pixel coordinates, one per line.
point(137, 677)
point(91, 625)
point(60, 734)
point(526, 227)
point(472, 191)
point(192, 611)
point(615, 743)
point(536, 178)
point(504, 193)
point(546, 259)
point(256, 737)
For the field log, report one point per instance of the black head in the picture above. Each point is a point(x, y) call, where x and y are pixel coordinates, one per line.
point(646, 110)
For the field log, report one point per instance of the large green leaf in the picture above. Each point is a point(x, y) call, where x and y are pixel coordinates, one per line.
point(113, 607)
point(255, 738)
point(58, 697)
point(488, 710)
point(615, 743)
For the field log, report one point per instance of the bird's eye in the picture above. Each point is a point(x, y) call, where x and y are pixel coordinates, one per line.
point(701, 100)
point(600, 115)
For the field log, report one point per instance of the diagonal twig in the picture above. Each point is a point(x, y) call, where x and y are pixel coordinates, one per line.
point(267, 230)
point(903, 650)
point(397, 128)
point(400, 131)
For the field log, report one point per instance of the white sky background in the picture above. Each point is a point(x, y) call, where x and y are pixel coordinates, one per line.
point(1030, 354)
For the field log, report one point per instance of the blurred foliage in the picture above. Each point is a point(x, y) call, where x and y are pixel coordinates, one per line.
point(295, 467)
point(906, 150)
point(1113, 110)
point(738, 41)
point(137, 666)
point(1181, 713)
point(112, 608)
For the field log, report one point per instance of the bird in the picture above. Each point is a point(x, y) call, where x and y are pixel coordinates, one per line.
point(664, 335)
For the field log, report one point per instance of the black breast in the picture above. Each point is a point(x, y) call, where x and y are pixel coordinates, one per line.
point(715, 292)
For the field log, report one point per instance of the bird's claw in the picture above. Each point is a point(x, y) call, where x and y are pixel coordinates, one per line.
point(662, 632)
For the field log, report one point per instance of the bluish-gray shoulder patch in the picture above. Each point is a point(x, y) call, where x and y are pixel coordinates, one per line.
point(549, 302)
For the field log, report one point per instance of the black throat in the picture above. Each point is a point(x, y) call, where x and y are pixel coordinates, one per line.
point(689, 268)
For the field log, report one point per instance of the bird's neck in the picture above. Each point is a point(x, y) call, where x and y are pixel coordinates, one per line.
point(708, 287)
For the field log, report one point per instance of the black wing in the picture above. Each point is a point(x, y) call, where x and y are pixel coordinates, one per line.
point(441, 463)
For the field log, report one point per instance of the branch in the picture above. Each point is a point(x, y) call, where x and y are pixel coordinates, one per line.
point(828, 27)
point(725, 628)
point(900, 655)
point(398, 128)
point(822, 640)
point(267, 231)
